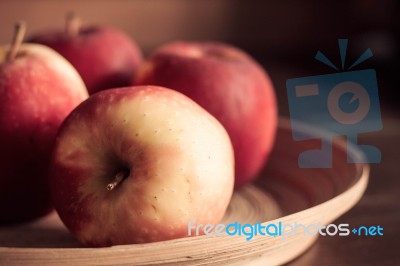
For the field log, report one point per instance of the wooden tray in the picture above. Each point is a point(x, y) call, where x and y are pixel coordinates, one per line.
point(283, 193)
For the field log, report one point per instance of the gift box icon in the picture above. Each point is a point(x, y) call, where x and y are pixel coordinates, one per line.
point(342, 104)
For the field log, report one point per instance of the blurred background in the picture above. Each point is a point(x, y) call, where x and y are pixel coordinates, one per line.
point(284, 37)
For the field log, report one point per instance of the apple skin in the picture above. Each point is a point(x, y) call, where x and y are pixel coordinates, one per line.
point(231, 86)
point(104, 56)
point(38, 89)
point(179, 159)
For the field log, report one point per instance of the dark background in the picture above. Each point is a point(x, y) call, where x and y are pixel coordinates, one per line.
point(284, 37)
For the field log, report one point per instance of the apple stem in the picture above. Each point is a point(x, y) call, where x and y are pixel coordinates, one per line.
point(73, 25)
point(19, 34)
point(117, 179)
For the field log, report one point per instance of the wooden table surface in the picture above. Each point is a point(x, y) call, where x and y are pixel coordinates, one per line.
point(380, 204)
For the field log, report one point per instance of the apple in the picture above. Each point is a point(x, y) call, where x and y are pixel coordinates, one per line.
point(229, 84)
point(136, 164)
point(38, 89)
point(105, 57)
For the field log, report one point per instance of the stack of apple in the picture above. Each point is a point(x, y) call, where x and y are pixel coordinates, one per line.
point(156, 144)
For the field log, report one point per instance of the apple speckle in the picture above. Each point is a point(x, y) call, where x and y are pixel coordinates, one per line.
point(170, 171)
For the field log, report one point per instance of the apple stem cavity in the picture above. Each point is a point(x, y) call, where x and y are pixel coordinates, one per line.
point(19, 34)
point(73, 25)
point(119, 177)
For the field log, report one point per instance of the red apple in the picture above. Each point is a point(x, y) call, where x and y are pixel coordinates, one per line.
point(105, 57)
point(38, 89)
point(231, 86)
point(136, 164)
